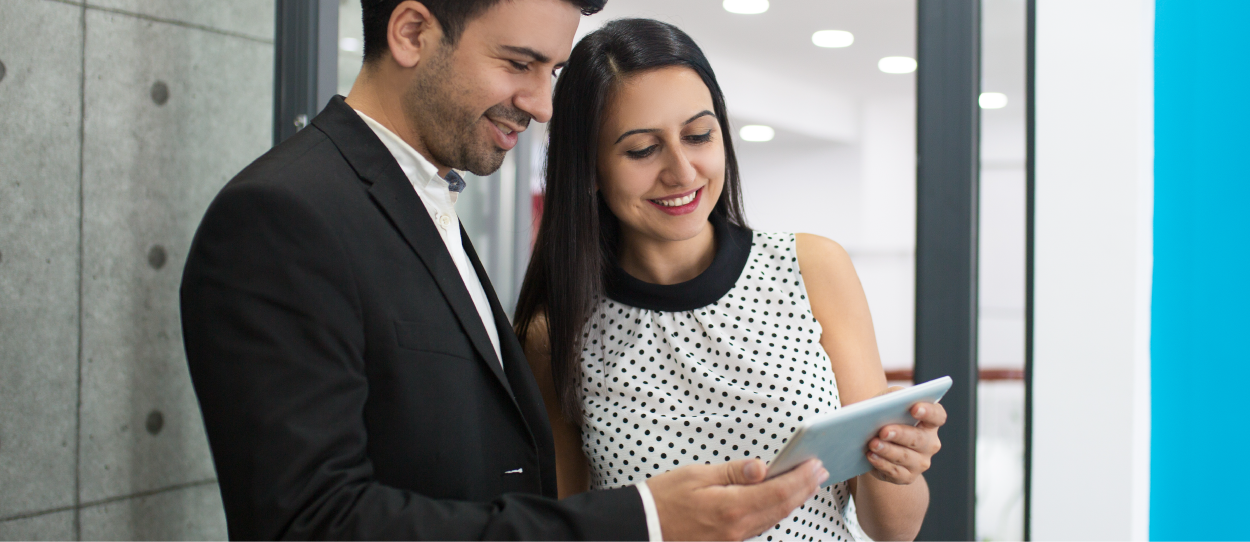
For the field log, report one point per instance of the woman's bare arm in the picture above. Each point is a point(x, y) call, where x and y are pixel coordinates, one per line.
point(572, 469)
point(887, 511)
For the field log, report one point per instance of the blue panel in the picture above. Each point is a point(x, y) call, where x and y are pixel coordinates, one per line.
point(1200, 479)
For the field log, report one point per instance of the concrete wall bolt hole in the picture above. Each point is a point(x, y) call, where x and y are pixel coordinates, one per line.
point(155, 422)
point(160, 92)
point(157, 257)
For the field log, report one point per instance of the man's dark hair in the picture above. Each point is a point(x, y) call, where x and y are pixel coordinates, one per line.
point(452, 16)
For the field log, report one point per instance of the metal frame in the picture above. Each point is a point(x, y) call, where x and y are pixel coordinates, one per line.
point(305, 65)
point(1030, 79)
point(948, 83)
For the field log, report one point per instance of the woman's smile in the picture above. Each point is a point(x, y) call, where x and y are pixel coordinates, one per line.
point(679, 204)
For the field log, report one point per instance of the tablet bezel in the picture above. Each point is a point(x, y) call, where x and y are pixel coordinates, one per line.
point(835, 438)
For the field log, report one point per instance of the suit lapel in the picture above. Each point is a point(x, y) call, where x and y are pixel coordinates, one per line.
point(393, 193)
point(524, 388)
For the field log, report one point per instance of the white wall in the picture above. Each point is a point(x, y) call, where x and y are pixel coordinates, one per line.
point(1094, 99)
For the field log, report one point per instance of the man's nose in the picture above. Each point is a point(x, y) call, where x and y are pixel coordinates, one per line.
point(536, 100)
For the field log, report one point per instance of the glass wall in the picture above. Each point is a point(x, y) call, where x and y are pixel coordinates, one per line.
point(1000, 425)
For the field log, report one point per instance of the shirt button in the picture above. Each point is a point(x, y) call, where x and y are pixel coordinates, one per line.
point(445, 220)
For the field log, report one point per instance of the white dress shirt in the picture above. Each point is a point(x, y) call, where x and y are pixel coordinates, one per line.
point(441, 204)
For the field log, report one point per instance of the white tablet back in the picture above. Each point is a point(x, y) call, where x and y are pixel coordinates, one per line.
point(839, 439)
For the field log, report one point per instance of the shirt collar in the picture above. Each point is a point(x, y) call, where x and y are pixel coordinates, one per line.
point(421, 173)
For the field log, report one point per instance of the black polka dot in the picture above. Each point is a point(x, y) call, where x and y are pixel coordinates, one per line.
point(731, 370)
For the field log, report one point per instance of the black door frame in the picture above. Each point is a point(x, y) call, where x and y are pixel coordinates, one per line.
point(305, 64)
point(948, 83)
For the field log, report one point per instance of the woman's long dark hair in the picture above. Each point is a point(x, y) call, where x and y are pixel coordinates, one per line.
point(577, 238)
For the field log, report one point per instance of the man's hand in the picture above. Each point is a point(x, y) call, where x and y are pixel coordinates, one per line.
point(901, 453)
point(730, 501)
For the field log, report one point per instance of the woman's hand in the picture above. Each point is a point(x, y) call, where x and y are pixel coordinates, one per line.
point(900, 454)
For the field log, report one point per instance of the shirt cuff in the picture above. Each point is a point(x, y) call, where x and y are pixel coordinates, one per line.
point(653, 517)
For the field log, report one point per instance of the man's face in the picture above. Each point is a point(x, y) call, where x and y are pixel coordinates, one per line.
point(469, 101)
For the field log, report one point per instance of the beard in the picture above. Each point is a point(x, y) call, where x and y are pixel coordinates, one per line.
point(436, 104)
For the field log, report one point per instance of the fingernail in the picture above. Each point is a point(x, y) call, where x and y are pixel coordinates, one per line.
point(920, 411)
point(879, 446)
point(874, 456)
point(752, 470)
point(889, 435)
point(824, 475)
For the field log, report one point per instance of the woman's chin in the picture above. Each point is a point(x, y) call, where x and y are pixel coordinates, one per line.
point(680, 228)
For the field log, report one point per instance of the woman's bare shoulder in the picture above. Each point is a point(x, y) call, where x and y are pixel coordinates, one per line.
point(821, 255)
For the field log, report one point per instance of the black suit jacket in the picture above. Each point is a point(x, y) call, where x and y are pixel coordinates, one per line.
point(348, 386)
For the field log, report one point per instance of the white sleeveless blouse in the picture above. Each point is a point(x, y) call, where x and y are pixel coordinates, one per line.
point(718, 368)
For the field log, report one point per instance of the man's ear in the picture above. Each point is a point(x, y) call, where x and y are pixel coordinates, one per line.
point(412, 33)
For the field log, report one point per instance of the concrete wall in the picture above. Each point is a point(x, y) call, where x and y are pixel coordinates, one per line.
point(122, 119)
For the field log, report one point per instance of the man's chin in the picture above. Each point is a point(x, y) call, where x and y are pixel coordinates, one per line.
point(483, 166)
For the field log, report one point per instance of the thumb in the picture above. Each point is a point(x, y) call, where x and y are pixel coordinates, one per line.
point(744, 472)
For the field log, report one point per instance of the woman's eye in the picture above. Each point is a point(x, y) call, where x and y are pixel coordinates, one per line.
point(641, 153)
point(700, 138)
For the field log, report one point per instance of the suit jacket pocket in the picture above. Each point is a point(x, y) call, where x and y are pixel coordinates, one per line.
point(426, 337)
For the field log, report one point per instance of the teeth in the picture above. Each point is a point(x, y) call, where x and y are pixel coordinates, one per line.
point(677, 202)
point(504, 129)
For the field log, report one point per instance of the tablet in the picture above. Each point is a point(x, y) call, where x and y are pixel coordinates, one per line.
point(840, 439)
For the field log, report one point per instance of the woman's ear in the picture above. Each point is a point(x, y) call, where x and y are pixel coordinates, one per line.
point(412, 33)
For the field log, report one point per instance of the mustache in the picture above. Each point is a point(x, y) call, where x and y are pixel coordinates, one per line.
point(510, 114)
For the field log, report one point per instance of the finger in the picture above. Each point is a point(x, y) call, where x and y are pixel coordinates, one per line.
point(905, 458)
point(930, 414)
point(910, 437)
point(775, 499)
point(743, 472)
point(891, 389)
point(888, 472)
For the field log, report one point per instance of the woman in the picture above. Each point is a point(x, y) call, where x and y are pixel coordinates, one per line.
point(664, 332)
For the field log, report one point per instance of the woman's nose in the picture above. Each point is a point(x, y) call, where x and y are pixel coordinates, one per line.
point(679, 170)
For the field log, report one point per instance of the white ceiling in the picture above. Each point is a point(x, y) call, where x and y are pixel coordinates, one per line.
point(780, 40)
point(773, 73)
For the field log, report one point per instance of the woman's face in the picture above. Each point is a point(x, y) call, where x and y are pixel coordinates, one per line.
point(661, 156)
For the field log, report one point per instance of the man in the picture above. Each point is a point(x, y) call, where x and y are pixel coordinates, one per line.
point(357, 376)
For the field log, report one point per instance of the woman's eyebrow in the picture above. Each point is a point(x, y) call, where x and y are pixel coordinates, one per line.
point(699, 115)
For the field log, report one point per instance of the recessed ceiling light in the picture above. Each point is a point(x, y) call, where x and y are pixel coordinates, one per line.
point(833, 38)
point(746, 7)
point(351, 45)
point(756, 132)
point(897, 64)
point(992, 100)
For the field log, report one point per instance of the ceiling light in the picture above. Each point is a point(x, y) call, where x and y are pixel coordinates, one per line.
point(992, 100)
point(833, 38)
point(897, 64)
point(756, 132)
point(351, 45)
point(746, 7)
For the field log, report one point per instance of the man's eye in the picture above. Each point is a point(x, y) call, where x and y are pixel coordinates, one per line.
point(641, 153)
point(518, 65)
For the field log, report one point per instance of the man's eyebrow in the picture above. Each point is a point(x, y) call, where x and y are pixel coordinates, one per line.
point(698, 116)
point(537, 56)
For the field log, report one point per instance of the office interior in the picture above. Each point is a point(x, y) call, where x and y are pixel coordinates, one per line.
point(1086, 212)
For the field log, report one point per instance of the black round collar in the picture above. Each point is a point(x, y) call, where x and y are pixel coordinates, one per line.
point(733, 248)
